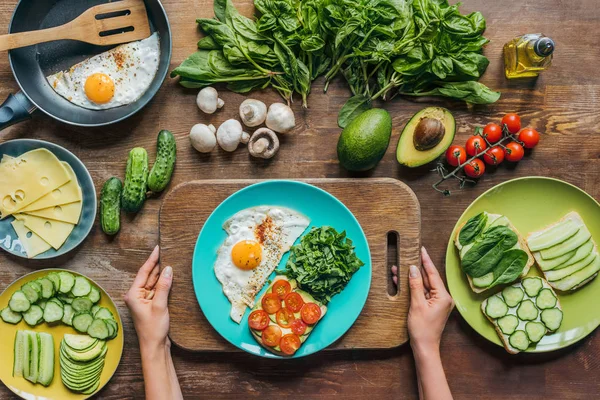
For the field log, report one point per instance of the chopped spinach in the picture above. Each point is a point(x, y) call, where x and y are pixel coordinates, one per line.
point(472, 229)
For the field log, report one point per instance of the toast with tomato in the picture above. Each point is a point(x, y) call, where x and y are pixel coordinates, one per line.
point(284, 317)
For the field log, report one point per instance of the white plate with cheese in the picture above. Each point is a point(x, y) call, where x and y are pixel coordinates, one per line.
point(47, 199)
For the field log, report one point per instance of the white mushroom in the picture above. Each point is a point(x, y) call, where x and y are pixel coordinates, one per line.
point(208, 100)
point(203, 138)
point(263, 143)
point(280, 118)
point(230, 134)
point(253, 112)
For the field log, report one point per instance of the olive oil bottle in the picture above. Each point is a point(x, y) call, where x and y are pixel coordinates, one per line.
point(528, 55)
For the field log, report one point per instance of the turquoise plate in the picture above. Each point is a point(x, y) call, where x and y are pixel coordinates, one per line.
point(322, 209)
point(8, 237)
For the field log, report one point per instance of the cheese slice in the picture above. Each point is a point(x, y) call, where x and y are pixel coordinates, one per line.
point(6, 157)
point(32, 243)
point(70, 192)
point(63, 212)
point(27, 178)
point(53, 232)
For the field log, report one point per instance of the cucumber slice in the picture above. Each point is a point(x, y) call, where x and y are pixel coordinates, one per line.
point(81, 287)
point(98, 329)
point(555, 263)
point(104, 313)
point(53, 312)
point(568, 245)
point(68, 314)
point(552, 318)
point(532, 286)
point(34, 315)
point(46, 362)
point(53, 276)
point(579, 254)
point(513, 295)
point(56, 301)
point(79, 342)
point(546, 299)
point(34, 358)
point(47, 288)
point(527, 311)
point(519, 340)
point(575, 280)
point(95, 309)
point(82, 304)
point(111, 329)
point(535, 331)
point(82, 321)
point(508, 324)
point(19, 302)
point(37, 286)
point(65, 299)
point(19, 353)
point(67, 281)
point(484, 281)
point(42, 304)
point(30, 292)
point(115, 327)
point(94, 295)
point(10, 317)
point(553, 236)
point(559, 274)
point(496, 307)
point(26, 359)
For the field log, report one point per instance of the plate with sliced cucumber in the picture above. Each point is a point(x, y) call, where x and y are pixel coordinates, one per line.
point(553, 233)
point(62, 335)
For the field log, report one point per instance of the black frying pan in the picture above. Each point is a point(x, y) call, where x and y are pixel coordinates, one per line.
point(31, 65)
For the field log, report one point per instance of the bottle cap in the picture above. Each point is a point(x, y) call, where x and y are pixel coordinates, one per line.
point(544, 47)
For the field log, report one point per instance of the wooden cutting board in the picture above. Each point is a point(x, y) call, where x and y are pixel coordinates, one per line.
point(387, 210)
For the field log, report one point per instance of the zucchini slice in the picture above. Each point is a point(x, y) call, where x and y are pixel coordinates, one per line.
point(527, 311)
point(82, 287)
point(19, 302)
point(496, 307)
point(532, 286)
point(535, 331)
point(53, 312)
point(508, 324)
point(546, 299)
point(34, 315)
point(552, 318)
point(519, 340)
point(10, 317)
point(513, 295)
point(82, 321)
point(67, 281)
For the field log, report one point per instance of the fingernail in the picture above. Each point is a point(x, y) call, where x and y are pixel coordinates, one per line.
point(413, 272)
point(155, 248)
point(168, 272)
point(423, 249)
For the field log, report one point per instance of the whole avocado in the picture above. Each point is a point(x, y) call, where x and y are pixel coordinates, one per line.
point(364, 141)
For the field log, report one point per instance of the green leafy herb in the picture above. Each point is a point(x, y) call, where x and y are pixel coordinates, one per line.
point(472, 229)
point(488, 250)
point(510, 267)
point(323, 263)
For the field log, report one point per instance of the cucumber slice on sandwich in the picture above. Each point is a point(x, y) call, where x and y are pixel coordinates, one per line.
point(496, 307)
point(535, 331)
point(508, 324)
point(519, 340)
point(552, 318)
point(546, 299)
point(527, 311)
point(532, 286)
point(512, 295)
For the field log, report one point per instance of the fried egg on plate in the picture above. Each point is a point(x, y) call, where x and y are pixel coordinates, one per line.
point(115, 78)
point(257, 238)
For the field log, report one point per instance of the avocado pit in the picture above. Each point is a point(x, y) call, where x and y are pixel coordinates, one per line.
point(429, 132)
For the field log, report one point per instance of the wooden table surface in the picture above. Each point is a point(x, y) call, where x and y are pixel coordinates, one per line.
point(563, 103)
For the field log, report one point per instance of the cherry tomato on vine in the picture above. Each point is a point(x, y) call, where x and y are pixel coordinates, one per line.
point(530, 137)
point(492, 132)
point(475, 145)
point(512, 122)
point(514, 152)
point(456, 155)
point(475, 168)
point(494, 156)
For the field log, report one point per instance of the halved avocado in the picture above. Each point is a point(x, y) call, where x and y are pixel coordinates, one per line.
point(426, 136)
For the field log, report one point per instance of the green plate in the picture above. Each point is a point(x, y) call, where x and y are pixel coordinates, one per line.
point(531, 203)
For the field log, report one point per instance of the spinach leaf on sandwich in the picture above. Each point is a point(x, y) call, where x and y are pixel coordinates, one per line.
point(510, 267)
point(323, 263)
point(472, 229)
point(488, 250)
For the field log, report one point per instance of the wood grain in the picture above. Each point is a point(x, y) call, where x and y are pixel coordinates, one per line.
point(563, 104)
point(382, 323)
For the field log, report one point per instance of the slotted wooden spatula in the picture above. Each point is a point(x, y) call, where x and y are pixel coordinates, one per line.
point(106, 24)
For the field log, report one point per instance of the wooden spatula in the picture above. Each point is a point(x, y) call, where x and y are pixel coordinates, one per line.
point(106, 24)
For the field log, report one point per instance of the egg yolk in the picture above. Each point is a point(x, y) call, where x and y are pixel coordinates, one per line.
point(246, 254)
point(99, 88)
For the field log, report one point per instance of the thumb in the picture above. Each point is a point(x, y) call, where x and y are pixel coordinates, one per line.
point(163, 287)
point(415, 282)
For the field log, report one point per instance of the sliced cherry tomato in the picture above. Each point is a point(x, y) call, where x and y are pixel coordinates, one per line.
point(512, 122)
point(494, 156)
point(290, 343)
point(282, 288)
point(271, 303)
point(475, 168)
point(285, 317)
point(299, 327)
point(294, 302)
point(311, 313)
point(475, 145)
point(492, 132)
point(514, 152)
point(456, 155)
point(529, 137)
point(258, 320)
point(271, 336)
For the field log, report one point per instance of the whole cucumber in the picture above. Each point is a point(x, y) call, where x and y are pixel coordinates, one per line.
point(162, 170)
point(110, 206)
point(136, 178)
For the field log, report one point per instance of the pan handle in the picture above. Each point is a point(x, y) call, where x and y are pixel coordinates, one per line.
point(16, 108)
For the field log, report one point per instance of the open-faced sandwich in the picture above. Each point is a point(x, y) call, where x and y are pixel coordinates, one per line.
point(284, 317)
point(492, 252)
point(566, 253)
point(523, 313)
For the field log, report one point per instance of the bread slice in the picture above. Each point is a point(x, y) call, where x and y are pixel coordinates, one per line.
point(512, 310)
point(538, 256)
point(522, 245)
